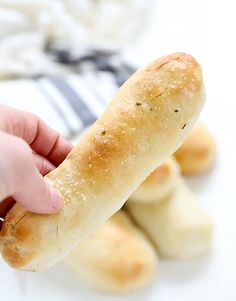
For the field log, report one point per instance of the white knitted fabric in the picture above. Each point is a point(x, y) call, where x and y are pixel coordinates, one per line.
point(26, 26)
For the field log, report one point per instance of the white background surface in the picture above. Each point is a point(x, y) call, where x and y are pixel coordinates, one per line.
point(205, 29)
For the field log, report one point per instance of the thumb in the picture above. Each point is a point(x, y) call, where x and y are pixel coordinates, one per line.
point(22, 180)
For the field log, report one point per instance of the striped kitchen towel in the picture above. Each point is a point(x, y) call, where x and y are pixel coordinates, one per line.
point(72, 103)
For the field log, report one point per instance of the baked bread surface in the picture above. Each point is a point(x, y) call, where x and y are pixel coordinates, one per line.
point(159, 184)
point(198, 152)
point(117, 258)
point(179, 226)
point(143, 125)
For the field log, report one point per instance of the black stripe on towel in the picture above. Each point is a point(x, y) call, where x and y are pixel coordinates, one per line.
point(90, 84)
point(79, 106)
point(57, 108)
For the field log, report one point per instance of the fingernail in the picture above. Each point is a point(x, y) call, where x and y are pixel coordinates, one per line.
point(56, 199)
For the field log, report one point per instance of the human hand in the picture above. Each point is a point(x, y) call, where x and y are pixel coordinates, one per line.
point(29, 150)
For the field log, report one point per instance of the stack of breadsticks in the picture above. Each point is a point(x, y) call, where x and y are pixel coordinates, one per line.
point(162, 218)
point(146, 122)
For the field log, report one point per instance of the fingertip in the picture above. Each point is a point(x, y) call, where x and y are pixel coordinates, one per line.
point(60, 151)
point(56, 200)
point(64, 145)
point(67, 145)
point(44, 166)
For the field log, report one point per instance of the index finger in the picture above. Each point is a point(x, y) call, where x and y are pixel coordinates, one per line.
point(42, 139)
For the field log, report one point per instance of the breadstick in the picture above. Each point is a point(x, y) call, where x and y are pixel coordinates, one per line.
point(144, 124)
point(117, 258)
point(159, 184)
point(198, 152)
point(178, 226)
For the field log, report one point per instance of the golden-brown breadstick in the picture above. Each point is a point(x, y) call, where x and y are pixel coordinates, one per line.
point(144, 124)
point(116, 258)
point(159, 184)
point(178, 226)
point(197, 153)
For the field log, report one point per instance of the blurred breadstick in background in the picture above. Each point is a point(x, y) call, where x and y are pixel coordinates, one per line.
point(178, 226)
point(117, 258)
point(159, 184)
point(198, 152)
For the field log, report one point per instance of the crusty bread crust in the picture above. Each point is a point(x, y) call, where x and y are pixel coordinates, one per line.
point(179, 227)
point(159, 184)
point(144, 124)
point(198, 152)
point(117, 258)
